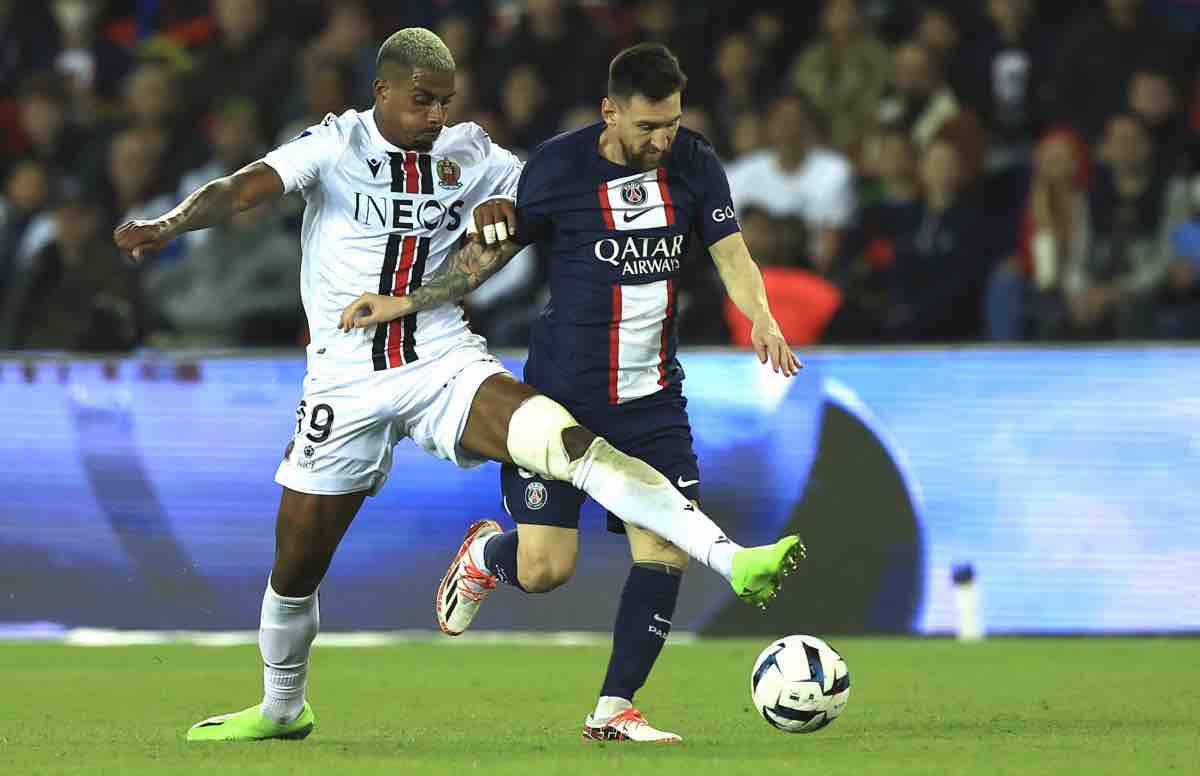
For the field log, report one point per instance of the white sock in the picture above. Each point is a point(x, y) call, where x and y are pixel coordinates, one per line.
point(285, 633)
point(720, 557)
point(608, 707)
point(635, 492)
point(475, 552)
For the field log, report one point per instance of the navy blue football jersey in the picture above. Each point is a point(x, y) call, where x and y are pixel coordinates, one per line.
point(614, 239)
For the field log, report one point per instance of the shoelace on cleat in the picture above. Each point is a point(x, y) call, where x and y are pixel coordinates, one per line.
point(630, 716)
point(475, 583)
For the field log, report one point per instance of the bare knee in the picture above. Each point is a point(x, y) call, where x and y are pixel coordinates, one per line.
point(650, 548)
point(670, 556)
point(308, 530)
point(541, 572)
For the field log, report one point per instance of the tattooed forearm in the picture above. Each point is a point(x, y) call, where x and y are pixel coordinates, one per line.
point(462, 272)
point(207, 206)
point(217, 200)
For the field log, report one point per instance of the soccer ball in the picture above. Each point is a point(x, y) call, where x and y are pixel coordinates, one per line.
point(799, 684)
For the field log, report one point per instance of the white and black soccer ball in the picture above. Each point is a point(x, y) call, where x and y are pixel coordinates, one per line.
point(800, 684)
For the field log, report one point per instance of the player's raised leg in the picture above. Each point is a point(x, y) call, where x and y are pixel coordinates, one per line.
point(466, 582)
point(531, 558)
point(509, 421)
point(643, 623)
point(308, 529)
point(535, 557)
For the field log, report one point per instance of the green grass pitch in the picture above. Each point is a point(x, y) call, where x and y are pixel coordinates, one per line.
point(1007, 706)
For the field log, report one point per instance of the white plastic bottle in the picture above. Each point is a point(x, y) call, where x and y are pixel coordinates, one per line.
point(966, 600)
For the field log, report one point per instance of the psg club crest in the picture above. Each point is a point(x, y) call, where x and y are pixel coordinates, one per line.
point(633, 193)
point(448, 173)
point(535, 495)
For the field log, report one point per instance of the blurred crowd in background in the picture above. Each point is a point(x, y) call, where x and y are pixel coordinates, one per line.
point(903, 171)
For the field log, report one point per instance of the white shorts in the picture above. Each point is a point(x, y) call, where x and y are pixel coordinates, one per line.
point(346, 427)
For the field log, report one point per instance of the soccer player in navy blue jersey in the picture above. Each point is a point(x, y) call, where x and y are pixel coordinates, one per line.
point(614, 206)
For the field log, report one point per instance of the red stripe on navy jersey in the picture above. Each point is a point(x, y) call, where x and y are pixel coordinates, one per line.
point(412, 177)
point(614, 343)
point(666, 333)
point(665, 189)
point(605, 207)
point(400, 282)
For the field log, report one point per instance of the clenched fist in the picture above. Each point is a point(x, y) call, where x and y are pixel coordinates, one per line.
point(495, 220)
point(136, 238)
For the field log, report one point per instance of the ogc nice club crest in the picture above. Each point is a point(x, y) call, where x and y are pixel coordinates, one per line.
point(448, 173)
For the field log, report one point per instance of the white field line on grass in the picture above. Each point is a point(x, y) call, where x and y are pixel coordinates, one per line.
point(103, 637)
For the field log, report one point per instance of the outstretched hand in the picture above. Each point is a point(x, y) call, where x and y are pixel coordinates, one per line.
point(769, 344)
point(137, 238)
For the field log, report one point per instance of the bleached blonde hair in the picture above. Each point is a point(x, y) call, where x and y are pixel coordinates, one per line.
point(413, 48)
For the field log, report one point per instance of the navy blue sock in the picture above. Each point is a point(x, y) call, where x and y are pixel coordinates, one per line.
point(500, 555)
point(643, 622)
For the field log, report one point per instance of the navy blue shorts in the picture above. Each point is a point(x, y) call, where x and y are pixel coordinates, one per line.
point(655, 429)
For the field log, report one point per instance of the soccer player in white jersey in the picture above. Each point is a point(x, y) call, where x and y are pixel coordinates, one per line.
point(389, 193)
point(612, 208)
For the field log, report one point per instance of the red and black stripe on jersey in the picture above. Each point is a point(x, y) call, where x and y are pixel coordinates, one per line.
point(412, 173)
point(403, 265)
point(403, 268)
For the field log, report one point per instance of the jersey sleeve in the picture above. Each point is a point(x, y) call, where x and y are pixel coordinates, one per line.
point(301, 161)
point(716, 219)
point(533, 203)
point(504, 169)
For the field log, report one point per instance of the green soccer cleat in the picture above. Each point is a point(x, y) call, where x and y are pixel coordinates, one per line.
point(758, 572)
point(250, 725)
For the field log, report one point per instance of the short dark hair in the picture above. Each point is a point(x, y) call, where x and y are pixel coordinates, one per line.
point(648, 69)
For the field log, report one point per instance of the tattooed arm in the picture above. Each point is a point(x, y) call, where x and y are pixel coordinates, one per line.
point(207, 206)
point(462, 272)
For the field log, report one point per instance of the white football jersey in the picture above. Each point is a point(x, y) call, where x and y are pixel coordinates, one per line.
point(381, 218)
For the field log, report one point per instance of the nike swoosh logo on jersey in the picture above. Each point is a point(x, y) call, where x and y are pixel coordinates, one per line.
point(681, 482)
point(636, 215)
point(662, 620)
